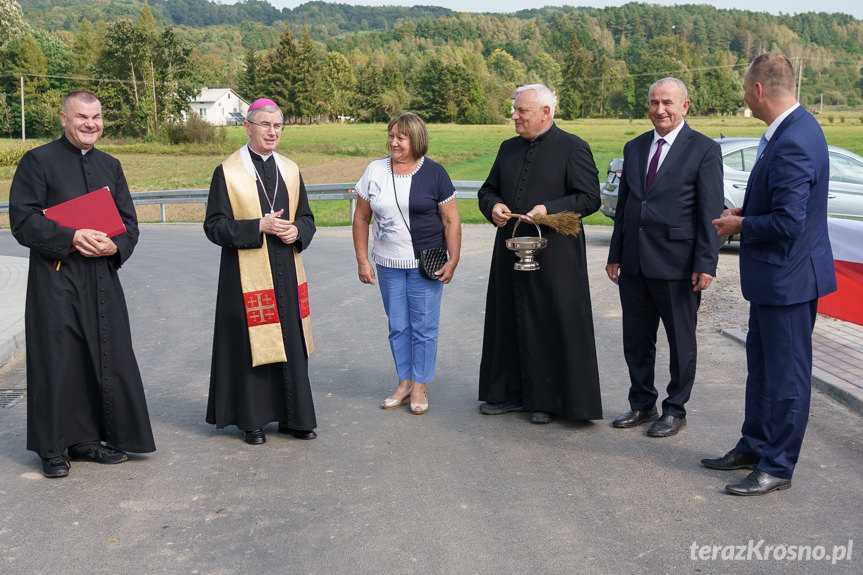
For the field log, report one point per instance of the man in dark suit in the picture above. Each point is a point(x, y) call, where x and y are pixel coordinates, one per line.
point(786, 264)
point(664, 252)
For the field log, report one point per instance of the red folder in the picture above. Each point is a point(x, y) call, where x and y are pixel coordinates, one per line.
point(94, 211)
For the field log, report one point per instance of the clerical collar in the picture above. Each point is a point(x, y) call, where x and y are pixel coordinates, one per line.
point(262, 157)
point(543, 133)
point(72, 146)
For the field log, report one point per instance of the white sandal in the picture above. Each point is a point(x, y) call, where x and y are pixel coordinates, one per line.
point(419, 408)
point(390, 403)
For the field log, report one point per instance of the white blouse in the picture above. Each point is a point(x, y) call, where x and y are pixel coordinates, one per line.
point(392, 247)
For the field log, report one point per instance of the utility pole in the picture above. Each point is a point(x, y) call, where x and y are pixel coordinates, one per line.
point(23, 134)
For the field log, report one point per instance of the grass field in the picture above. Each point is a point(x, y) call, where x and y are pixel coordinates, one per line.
point(332, 153)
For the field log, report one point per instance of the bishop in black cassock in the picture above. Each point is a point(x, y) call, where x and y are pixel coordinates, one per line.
point(242, 394)
point(538, 352)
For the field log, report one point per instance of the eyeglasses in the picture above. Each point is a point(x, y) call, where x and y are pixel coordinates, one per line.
point(265, 126)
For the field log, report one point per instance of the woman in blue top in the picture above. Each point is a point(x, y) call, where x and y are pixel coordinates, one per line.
point(413, 202)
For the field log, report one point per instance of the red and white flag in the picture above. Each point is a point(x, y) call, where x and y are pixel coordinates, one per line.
point(846, 303)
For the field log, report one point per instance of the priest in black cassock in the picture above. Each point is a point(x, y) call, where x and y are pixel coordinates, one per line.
point(258, 212)
point(84, 390)
point(538, 352)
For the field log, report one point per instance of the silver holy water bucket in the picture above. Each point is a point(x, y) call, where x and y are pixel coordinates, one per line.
point(525, 248)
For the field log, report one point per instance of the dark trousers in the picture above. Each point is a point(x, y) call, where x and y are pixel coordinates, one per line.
point(644, 303)
point(779, 384)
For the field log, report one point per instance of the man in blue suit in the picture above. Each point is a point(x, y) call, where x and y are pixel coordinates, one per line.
point(664, 252)
point(786, 264)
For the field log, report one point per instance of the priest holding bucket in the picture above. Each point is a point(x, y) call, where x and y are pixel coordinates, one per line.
point(538, 352)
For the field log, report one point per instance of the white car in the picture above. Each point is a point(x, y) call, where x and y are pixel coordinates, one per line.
point(844, 200)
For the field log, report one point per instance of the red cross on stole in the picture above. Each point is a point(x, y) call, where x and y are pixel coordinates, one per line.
point(261, 307)
point(303, 297)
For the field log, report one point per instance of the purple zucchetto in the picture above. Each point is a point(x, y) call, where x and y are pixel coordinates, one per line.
point(261, 102)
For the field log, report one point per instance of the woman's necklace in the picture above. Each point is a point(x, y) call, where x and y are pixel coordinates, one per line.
point(264, 188)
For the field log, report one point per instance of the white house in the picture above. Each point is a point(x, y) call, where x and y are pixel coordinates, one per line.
point(220, 106)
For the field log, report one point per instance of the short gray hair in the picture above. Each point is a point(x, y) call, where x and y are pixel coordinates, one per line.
point(82, 96)
point(669, 80)
point(250, 117)
point(545, 96)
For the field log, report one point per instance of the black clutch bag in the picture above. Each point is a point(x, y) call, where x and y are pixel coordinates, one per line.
point(431, 260)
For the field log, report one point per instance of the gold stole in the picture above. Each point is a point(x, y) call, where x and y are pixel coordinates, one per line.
point(256, 278)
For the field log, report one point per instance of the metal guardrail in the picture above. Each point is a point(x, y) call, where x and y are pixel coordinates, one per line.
point(465, 189)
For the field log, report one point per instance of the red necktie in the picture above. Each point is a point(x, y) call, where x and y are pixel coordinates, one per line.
point(654, 162)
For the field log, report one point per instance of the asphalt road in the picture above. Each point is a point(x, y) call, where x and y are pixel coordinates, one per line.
point(452, 491)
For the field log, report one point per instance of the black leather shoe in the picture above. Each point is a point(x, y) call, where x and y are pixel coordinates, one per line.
point(634, 418)
point(97, 453)
point(499, 408)
point(666, 426)
point(55, 466)
point(540, 417)
point(255, 437)
point(731, 460)
point(298, 433)
point(758, 483)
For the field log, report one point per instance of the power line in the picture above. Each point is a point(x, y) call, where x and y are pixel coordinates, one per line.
point(81, 78)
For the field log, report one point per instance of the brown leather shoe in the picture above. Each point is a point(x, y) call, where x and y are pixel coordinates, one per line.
point(634, 418)
point(731, 460)
point(758, 483)
point(666, 426)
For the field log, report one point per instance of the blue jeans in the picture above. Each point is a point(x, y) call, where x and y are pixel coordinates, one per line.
point(412, 304)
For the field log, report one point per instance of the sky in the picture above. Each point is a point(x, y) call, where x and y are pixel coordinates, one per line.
point(853, 7)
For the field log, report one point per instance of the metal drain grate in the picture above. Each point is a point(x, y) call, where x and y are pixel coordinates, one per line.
point(9, 397)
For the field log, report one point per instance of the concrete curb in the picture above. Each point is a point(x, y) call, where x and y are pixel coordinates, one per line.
point(13, 286)
point(830, 385)
point(11, 341)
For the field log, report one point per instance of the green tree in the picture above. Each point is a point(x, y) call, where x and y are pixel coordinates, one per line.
point(546, 69)
point(12, 24)
point(280, 73)
point(126, 57)
point(445, 92)
point(340, 84)
point(383, 94)
point(309, 89)
point(86, 50)
point(251, 78)
point(43, 114)
point(577, 89)
point(174, 74)
point(58, 54)
point(27, 58)
point(505, 67)
point(5, 116)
